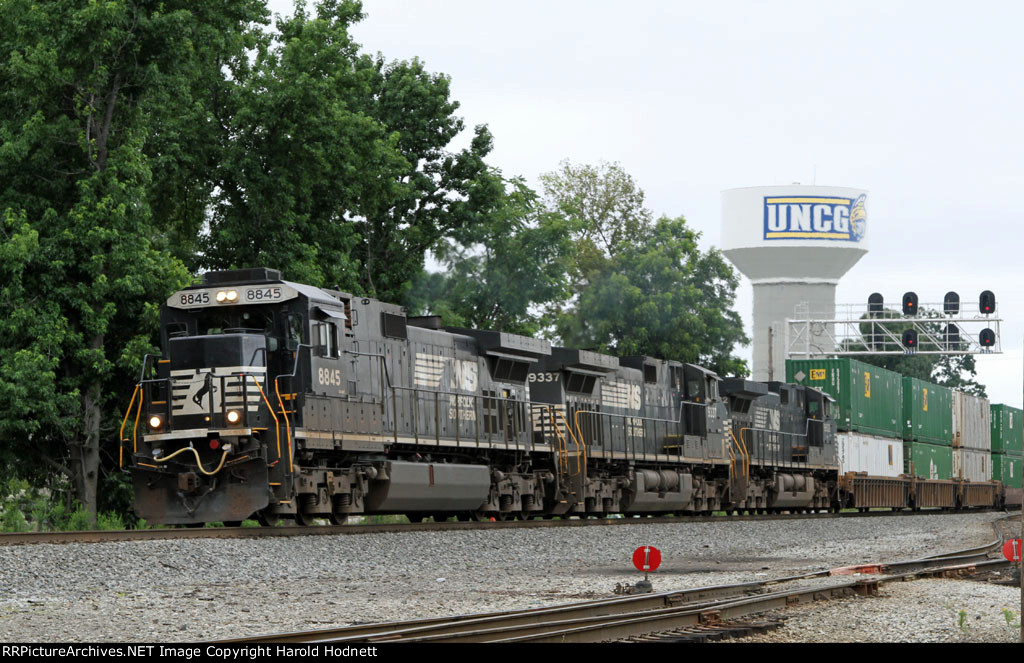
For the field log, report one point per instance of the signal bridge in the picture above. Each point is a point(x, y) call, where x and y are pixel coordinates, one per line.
point(878, 329)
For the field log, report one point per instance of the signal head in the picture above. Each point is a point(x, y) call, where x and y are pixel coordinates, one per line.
point(952, 337)
point(910, 303)
point(987, 338)
point(987, 302)
point(951, 303)
point(875, 302)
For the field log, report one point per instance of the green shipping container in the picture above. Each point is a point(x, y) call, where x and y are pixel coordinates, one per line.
point(1007, 430)
point(870, 399)
point(1007, 468)
point(928, 461)
point(927, 412)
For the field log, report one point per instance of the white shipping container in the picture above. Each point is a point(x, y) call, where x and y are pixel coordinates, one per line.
point(877, 456)
point(972, 422)
point(971, 465)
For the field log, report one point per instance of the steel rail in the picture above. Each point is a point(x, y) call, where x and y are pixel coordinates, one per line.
point(103, 536)
point(607, 606)
point(617, 618)
point(630, 624)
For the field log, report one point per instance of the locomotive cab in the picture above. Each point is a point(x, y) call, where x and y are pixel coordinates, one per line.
point(205, 424)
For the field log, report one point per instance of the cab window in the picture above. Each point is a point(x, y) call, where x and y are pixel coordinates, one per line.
point(325, 334)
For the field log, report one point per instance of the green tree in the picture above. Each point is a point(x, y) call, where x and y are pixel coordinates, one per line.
point(639, 286)
point(334, 164)
point(500, 272)
point(84, 263)
point(660, 296)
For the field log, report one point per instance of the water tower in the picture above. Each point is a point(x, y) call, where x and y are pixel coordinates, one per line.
point(794, 243)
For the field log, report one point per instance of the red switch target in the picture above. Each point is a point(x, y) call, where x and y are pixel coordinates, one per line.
point(1011, 550)
point(646, 558)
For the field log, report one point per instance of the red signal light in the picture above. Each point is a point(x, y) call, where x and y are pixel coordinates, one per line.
point(214, 443)
point(987, 302)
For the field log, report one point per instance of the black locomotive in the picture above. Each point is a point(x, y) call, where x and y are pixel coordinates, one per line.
point(276, 399)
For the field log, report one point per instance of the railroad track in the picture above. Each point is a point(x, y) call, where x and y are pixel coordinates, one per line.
point(691, 614)
point(95, 536)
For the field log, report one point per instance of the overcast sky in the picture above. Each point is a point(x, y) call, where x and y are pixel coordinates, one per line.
point(920, 103)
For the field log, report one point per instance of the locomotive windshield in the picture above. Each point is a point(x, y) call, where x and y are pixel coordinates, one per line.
point(249, 319)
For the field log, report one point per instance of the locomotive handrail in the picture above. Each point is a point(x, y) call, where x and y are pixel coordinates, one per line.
point(563, 452)
point(255, 352)
point(145, 362)
point(805, 434)
point(295, 363)
point(476, 399)
point(277, 423)
point(128, 413)
point(609, 415)
point(744, 453)
point(579, 443)
point(682, 406)
point(287, 424)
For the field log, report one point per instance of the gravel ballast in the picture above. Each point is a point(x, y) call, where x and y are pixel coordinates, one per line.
point(217, 588)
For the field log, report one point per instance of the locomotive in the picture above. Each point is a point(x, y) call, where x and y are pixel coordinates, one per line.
point(273, 399)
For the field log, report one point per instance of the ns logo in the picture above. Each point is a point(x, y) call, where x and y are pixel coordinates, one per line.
point(815, 217)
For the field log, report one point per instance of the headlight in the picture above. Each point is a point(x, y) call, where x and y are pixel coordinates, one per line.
point(155, 422)
point(232, 296)
point(222, 296)
point(234, 417)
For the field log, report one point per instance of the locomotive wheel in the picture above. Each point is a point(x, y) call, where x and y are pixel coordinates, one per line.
point(337, 518)
point(304, 519)
point(265, 519)
point(232, 523)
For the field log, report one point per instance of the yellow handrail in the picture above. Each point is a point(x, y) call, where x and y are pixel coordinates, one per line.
point(744, 453)
point(127, 413)
point(277, 423)
point(581, 442)
point(287, 424)
point(579, 469)
point(135, 428)
point(563, 454)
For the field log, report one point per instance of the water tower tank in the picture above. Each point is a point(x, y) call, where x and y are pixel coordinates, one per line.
point(794, 243)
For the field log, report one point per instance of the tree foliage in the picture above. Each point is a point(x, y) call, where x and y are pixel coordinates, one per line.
point(83, 262)
point(335, 164)
point(639, 286)
point(502, 270)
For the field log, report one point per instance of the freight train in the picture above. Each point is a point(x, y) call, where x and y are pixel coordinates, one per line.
point(277, 400)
